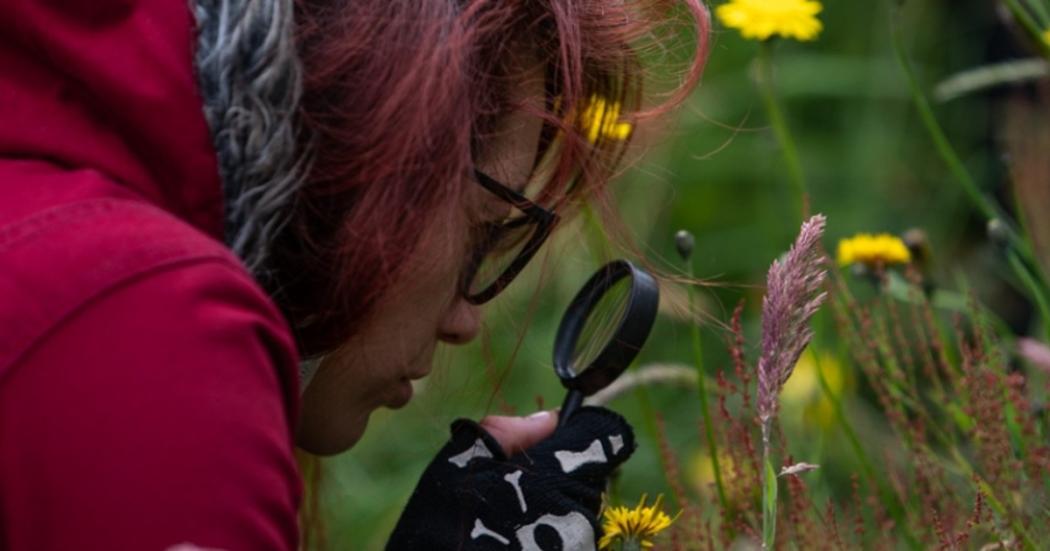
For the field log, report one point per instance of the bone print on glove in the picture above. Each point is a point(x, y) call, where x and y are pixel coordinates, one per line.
point(547, 498)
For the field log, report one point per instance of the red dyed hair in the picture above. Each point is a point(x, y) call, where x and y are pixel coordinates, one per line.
point(399, 96)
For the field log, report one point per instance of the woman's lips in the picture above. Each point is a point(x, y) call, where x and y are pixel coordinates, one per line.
point(402, 392)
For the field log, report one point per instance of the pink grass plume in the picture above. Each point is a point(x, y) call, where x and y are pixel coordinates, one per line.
point(794, 292)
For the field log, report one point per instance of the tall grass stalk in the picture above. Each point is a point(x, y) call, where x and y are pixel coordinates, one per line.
point(1031, 283)
point(764, 79)
point(794, 293)
point(701, 386)
point(1034, 28)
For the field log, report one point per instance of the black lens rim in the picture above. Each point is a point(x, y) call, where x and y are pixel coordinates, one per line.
point(543, 220)
point(642, 305)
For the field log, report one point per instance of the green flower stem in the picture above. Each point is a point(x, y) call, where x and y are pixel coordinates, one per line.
point(940, 141)
point(769, 493)
point(1028, 279)
point(764, 80)
point(701, 385)
point(986, 206)
point(1041, 12)
point(1031, 26)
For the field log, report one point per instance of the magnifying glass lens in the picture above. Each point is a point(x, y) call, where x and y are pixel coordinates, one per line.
point(601, 325)
point(603, 329)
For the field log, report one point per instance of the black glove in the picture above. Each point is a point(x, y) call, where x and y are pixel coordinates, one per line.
point(546, 498)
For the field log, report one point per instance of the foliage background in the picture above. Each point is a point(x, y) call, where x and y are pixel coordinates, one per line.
point(715, 169)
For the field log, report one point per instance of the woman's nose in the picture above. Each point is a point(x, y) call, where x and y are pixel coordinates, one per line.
point(461, 323)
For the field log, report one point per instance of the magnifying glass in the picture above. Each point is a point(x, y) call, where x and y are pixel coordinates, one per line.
point(603, 329)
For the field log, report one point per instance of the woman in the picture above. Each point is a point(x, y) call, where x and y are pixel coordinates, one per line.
point(338, 200)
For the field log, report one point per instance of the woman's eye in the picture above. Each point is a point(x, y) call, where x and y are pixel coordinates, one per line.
point(483, 233)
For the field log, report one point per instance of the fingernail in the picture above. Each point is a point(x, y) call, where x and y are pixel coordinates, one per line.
point(539, 415)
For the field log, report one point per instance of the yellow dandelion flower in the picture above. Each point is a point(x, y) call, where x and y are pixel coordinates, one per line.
point(601, 119)
point(637, 525)
point(873, 250)
point(761, 19)
point(1046, 37)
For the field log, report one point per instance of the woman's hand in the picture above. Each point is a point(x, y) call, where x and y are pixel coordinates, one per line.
point(517, 483)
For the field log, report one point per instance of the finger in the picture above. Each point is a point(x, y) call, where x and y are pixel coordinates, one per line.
point(515, 434)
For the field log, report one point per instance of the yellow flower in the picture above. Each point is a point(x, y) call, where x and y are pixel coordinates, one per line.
point(802, 394)
point(601, 119)
point(637, 525)
point(761, 19)
point(873, 250)
point(1046, 37)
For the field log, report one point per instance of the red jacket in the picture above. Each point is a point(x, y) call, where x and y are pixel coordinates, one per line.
point(148, 386)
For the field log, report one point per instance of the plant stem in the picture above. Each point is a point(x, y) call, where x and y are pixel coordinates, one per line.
point(1031, 26)
point(701, 385)
point(933, 128)
point(769, 492)
point(764, 79)
point(1028, 279)
point(1041, 12)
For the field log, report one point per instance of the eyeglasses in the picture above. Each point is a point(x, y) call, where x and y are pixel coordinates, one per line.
point(506, 246)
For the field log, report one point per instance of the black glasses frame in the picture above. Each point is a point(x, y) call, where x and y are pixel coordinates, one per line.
point(544, 221)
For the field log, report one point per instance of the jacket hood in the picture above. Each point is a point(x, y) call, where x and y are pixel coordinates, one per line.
point(192, 106)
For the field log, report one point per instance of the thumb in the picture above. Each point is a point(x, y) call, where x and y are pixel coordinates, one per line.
point(515, 434)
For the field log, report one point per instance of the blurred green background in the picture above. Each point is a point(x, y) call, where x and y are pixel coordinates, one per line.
point(714, 168)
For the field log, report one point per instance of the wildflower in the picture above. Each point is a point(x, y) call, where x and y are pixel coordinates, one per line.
point(634, 526)
point(601, 120)
point(761, 19)
point(873, 250)
point(1046, 37)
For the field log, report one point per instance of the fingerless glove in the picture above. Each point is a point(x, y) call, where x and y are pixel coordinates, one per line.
point(473, 497)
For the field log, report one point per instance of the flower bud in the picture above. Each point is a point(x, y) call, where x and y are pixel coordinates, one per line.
point(684, 243)
point(918, 244)
point(998, 232)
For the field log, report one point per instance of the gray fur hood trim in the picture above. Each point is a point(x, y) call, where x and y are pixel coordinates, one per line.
point(250, 77)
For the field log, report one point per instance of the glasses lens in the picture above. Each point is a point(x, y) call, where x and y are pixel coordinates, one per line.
point(504, 244)
point(600, 327)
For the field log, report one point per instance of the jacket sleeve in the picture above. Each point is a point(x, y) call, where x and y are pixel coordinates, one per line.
point(158, 416)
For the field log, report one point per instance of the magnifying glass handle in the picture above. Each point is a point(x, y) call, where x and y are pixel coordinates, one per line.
point(573, 401)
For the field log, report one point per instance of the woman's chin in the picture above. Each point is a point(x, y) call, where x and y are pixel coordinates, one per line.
point(332, 439)
point(400, 395)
